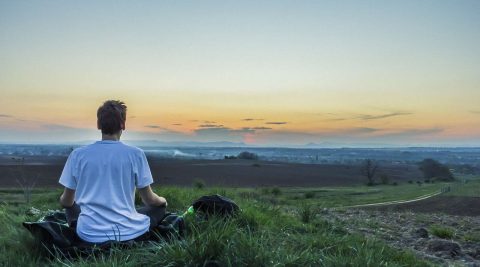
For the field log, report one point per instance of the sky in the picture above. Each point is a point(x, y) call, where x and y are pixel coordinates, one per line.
point(273, 73)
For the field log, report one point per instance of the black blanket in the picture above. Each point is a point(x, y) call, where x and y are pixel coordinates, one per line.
point(53, 232)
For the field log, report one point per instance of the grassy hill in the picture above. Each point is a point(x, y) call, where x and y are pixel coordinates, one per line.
point(277, 227)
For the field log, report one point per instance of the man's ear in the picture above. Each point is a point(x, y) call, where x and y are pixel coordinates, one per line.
point(122, 125)
point(98, 125)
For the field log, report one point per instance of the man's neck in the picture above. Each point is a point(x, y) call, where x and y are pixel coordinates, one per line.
point(113, 137)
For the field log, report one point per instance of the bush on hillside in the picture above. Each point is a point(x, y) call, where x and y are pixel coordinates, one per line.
point(276, 191)
point(384, 179)
point(199, 183)
point(247, 155)
point(433, 169)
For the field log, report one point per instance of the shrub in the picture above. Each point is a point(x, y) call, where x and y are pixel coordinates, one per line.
point(307, 213)
point(265, 190)
point(198, 183)
point(247, 155)
point(384, 179)
point(276, 191)
point(309, 194)
point(410, 182)
point(434, 169)
point(369, 169)
point(442, 232)
point(472, 237)
point(394, 183)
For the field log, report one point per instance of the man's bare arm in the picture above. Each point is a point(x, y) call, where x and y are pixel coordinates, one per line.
point(67, 198)
point(149, 198)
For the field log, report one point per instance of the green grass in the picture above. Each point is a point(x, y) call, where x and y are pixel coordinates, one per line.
point(442, 231)
point(271, 230)
point(347, 196)
point(466, 188)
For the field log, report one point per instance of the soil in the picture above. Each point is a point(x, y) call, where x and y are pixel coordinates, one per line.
point(406, 230)
point(232, 173)
point(452, 205)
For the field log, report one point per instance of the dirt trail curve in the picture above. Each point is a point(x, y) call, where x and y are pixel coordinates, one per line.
point(393, 202)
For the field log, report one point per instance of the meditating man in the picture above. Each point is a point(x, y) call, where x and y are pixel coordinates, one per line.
point(100, 181)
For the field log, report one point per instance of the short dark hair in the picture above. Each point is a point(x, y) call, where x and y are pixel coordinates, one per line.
point(111, 115)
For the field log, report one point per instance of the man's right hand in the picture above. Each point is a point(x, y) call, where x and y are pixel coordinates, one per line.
point(149, 198)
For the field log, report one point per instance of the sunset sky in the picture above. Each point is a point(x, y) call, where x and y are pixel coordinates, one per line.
point(359, 73)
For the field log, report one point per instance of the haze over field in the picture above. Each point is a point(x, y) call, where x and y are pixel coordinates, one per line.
point(355, 73)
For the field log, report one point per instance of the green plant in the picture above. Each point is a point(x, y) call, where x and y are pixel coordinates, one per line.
point(384, 179)
point(472, 237)
point(442, 232)
point(276, 191)
point(309, 194)
point(265, 190)
point(307, 213)
point(198, 183)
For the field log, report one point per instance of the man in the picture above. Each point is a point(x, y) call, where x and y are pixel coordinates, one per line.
point(100, 181)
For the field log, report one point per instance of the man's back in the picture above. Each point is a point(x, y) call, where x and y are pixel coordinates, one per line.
point(104, 175)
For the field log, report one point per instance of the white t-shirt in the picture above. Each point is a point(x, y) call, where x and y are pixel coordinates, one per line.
point(104, 176)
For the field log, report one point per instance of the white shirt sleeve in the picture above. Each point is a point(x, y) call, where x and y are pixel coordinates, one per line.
point(143, 175)
point(69, 177)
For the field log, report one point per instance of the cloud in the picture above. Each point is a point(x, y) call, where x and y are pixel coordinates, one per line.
point(164, 134)
point(223, 134)
point(59, 127)
point(276, 122)
point(252, 119)
point(358, 136)
point(153, 126)
point(475, 111)
point(163, 129)
point(5, 116)
point(366, 117)
point(212, 129)
point(338, 119)
point(209, 122)
point(409, 133)
point(176, 124)
point(210, 125)
point(242, 130)
point(359, 130)
point(261, 128)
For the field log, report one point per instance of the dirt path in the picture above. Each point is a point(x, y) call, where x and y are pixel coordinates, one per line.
point(393, 202)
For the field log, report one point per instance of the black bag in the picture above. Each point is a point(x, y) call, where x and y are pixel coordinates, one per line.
point(215, 205)
point(172, 226)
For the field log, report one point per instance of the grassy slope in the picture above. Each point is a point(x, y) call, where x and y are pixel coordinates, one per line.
point(466, 188)
point(346, 196)
point(272, 230)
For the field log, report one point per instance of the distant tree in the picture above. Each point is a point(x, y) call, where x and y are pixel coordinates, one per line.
point(384, 179)
point(369, 169)
point(247, 155)
point(198, 183)
point(26, 183)
point(276, 191)
point(433, 169)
